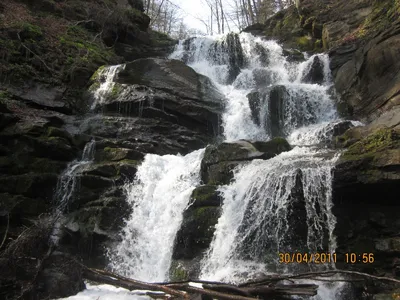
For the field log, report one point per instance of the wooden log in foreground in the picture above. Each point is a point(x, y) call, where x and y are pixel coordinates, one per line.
point(184, 290)
point(266, 288)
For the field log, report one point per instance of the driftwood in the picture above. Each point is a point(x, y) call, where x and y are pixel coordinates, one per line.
point(266, 288)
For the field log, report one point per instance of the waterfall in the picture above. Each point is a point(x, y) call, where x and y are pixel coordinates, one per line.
point(263, 66)
point(67, 182)
point(106, 77)
point(281, 205)
point(68, 187)
point(271, 206)
point(158, 196)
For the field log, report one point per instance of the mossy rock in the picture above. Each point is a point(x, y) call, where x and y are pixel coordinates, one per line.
point(196, 232)
point(205, 195)
point(219, 160)
point(380, 140)
point(178, 272)
point(374, 159)
point(221, 173)
point(32, 185)
point(117, 154)
point(58, 132)
point(305, 43)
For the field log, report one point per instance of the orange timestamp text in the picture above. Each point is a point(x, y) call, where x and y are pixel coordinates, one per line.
point(325, 258)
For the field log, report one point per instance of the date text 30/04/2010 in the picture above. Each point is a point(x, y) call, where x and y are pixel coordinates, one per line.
point(325, 258)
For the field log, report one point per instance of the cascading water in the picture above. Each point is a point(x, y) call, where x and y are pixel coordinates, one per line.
point(107, 83)
point(282, 205)
point(158, 196)
point(67, 187)
point(278, 205)
point(67, 182)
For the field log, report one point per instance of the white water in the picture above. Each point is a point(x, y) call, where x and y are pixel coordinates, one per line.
point(257, 213)
point(67, 182)
point(106, 77)
point(256, 209)
point(256, 222)
point(158, 196)
point(237, 121)
point(68, 188)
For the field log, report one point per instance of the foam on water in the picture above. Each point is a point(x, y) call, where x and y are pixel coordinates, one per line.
point(158, 197)
point(257, 204)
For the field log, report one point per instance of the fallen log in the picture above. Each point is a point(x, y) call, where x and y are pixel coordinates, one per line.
point(266, 288)
point(185, 290)
point(127, 283)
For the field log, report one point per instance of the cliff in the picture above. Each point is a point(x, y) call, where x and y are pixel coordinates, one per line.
point(51, 53)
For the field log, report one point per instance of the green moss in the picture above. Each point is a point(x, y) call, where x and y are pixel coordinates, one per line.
point(4, 95)
point(304, 43)
point(31, 31)
point(381, 139)
point(97, 74)
point(82, 50)
point(130, 162)
point(178, 272)
point(116, 91)
point(369, 147)
point(318, 46)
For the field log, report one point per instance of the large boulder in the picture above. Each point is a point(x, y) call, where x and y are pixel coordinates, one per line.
point(166, 89)
point(365, 194)
point(255, 102)
point(196, 232)
point(316, 72)
point(367, 77)
point(220, 160)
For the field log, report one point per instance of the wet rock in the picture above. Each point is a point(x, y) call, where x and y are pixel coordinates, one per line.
point(234, 56)
point(196, 232)
point(91, 229)
point(277, 98)
point(367, 78)
point(117, 154)
point(365, 195)
point(255, 101)
point(293, 55)
point(43, 95)
point(316, 72)
point(219, 161)
point(170, 90)
point(56, 282)
point(144, 135)
point(205, 195)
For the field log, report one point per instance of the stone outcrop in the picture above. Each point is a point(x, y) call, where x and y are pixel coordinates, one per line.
point(365, 191)
point(362, 39)
point(167, 90)
point(199, 219)
point(46, 62)
point(220, 160)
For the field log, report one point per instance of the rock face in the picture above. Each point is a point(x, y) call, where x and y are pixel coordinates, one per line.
point(201, 216)
point(173, 92)
point(362, 38)
point(365, 191)
point(44, 127)
point(367, 76)
point(219, 161)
